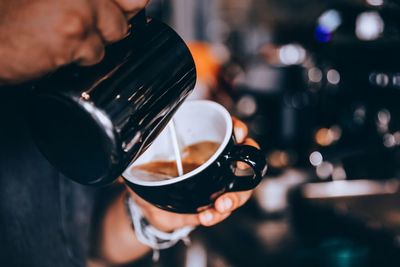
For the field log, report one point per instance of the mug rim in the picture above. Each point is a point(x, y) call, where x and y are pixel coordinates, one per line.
point(228, 134)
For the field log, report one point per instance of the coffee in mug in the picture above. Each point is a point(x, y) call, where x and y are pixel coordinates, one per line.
point(192, 157)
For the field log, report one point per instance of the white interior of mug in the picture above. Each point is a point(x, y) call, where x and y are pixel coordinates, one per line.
point(195, 121)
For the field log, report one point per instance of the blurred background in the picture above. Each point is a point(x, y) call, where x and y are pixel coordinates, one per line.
point(318, 83)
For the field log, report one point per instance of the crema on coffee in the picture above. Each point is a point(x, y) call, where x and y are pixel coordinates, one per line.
point(193, 156)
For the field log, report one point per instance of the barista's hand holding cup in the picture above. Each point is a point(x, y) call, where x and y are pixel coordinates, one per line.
point(220, 168)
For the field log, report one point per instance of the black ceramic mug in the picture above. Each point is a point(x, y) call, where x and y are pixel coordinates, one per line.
point(91, 122)
point(196, 122)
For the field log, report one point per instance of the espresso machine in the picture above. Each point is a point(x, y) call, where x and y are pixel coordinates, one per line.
point(328, 85)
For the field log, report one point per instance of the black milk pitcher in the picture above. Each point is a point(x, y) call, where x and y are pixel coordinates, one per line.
point(91, 122)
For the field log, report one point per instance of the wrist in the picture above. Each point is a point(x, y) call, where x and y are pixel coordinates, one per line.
point(117, 242)
point(149, 235)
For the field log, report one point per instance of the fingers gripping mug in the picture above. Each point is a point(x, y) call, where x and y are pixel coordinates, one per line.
point(204, 133)
point(90, 123)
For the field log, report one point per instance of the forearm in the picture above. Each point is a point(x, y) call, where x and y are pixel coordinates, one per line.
point(118, 243)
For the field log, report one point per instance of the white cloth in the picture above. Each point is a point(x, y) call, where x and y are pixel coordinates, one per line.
point(152, 237)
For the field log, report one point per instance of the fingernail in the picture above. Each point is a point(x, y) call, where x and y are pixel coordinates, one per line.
point(227, 204)
point(206, 217)
point(239, 134)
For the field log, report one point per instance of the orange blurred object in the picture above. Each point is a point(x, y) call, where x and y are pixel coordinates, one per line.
point(207, 63)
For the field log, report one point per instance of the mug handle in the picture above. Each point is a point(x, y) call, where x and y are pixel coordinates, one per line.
point(253, 157)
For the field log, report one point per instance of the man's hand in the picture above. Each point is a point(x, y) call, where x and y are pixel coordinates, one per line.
point(223, 206)
point(118, 243)
point(39, 36)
